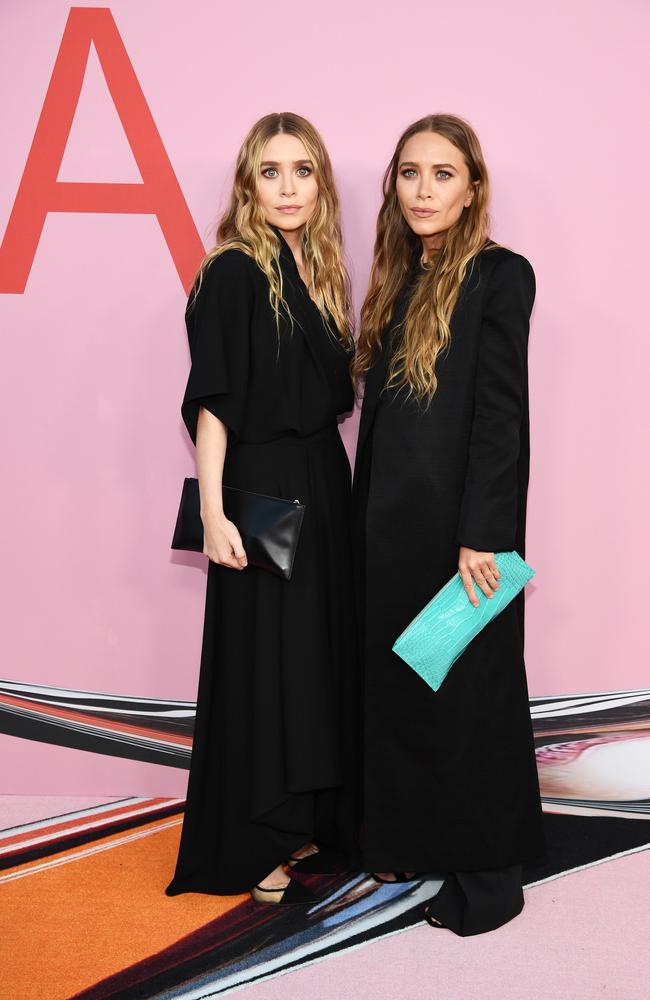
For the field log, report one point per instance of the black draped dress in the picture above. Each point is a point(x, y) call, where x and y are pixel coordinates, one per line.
point(450, 778)
point(275, 752)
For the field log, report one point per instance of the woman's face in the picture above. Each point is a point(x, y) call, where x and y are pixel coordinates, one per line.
point(287, 188)
point(433, 185)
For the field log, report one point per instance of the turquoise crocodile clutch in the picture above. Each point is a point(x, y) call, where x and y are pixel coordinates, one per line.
point(445, 626)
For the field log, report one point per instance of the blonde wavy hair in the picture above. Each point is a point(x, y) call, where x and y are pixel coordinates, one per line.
point(425, 328)
point(244, 227)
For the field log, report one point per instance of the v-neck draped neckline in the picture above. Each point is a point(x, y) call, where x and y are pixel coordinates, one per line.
point(286, 256)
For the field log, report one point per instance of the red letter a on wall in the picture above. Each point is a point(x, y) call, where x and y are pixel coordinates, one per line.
point(40, 192)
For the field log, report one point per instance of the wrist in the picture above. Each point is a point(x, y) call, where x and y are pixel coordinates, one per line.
point(212, 515)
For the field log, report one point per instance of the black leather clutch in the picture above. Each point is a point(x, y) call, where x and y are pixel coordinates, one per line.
point(269, 526)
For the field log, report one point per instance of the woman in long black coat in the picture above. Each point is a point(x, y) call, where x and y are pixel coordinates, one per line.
point(274, 770)
point(440, 485)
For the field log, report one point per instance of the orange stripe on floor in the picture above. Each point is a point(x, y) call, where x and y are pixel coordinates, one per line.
point(74, 918)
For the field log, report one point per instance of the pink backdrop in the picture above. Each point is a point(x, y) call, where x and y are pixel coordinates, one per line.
point(94, 354)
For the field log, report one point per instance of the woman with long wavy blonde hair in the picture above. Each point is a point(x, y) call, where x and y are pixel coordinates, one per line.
point(440, 486)
point(274, 769)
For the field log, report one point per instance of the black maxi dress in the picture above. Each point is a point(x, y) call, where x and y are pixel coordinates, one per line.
point(450, 778)
point(275, 751)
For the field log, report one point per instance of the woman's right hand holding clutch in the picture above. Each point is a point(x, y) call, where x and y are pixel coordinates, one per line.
point(221, 539)
point(222, 542)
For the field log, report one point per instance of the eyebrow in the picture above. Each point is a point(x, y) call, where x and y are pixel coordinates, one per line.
point(412, 163)
point(276, 163)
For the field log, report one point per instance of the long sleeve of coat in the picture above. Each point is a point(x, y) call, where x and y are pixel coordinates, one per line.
point(219, 332)
point(488, 517)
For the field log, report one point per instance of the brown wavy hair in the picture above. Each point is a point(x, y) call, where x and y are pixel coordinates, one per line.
point(425, 328)
point(244, 227)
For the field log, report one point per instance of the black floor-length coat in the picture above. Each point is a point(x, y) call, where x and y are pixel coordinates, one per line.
point(275, 752)
point(450, 780)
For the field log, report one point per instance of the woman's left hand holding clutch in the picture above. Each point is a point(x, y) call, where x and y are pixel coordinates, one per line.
point(480, 568)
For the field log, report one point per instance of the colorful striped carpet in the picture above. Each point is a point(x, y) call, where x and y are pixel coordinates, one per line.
point(83, 914)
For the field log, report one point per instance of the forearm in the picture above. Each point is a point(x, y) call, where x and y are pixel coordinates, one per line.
point(211, 441)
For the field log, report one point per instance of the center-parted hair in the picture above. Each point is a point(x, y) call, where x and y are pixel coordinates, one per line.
point(425, 330)
point(244, 226)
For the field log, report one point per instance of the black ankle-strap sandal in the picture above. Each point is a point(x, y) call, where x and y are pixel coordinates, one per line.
point(322, 862)
point(293, 893)
point(430, 919)
point(399, 877)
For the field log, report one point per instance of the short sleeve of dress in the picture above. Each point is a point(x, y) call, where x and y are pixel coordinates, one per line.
point(218, 325)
